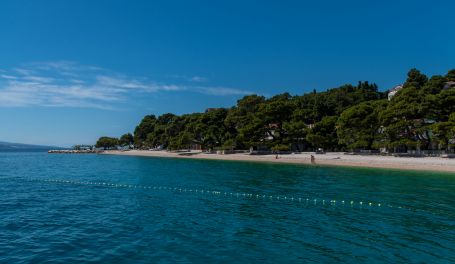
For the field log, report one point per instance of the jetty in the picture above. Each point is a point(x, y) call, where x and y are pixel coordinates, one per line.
point(77, 149)
point(74, 151)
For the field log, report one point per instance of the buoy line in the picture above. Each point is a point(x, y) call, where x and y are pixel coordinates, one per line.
point(304, 201)
point(241, 195)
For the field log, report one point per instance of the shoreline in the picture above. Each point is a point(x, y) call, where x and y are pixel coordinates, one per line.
point(430, 164)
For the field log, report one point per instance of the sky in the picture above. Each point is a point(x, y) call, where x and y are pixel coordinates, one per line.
point(72, 71)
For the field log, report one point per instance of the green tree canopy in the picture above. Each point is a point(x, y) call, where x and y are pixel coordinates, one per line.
point(358, 126)
point(444, 132)
point(107, 143)
point(126, 140)
point(346, 117)
point(323, 134)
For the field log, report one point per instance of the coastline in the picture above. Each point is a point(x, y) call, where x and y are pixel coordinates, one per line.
point(433, 164)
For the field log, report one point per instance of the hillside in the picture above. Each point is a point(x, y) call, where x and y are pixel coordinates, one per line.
point(7, 146)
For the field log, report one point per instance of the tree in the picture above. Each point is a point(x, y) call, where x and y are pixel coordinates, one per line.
point(404, 121)
point(445, 104)
point(358, 126)
point(185, 140)
point(212, 129)
point(415, 79)
point(434, 85)
point(273, 113)
point(444, 132)
point(451, 75)
point(145, 127)
point(323, 134)
point(126, 140)
point(229, 144)
point(107, 143)
point(297, 131)
point(352, 116)
point(242, 123)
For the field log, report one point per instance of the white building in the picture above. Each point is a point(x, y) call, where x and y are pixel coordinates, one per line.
point(450, 84)
point(393, 91)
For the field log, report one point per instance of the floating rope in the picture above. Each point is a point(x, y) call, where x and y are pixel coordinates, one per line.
point(251, 196)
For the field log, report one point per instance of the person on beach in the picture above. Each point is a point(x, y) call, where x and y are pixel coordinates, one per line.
point(313, 160)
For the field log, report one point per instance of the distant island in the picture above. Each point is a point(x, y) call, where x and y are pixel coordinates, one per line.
point(417, 116)
point(17, 147)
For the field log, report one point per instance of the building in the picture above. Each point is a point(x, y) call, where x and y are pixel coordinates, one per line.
point(212, 109)
point(450, 84)
point(196, 146)
point(393, 91)
point(273, 127)
point(83, 147)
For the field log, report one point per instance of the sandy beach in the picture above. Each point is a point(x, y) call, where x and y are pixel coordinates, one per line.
point(332, 159)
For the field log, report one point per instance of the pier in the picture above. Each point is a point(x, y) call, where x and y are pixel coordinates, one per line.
point(74, 151)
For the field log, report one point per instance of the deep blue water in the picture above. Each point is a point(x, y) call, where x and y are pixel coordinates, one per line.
point(113, 209)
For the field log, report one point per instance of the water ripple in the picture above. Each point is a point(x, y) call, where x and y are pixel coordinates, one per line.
point(126, 209)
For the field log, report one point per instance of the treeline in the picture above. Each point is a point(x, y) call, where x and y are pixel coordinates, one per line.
point(421, 115)
point(126, 140)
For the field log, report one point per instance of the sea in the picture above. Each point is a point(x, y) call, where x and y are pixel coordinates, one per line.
point(88, 208)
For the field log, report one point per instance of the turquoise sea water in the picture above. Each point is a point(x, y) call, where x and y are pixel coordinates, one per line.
point(114, 209)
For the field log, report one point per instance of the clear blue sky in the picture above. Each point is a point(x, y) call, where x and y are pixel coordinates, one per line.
point(71, 71)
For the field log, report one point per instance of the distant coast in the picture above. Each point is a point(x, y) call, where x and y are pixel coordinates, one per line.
point(437, 164)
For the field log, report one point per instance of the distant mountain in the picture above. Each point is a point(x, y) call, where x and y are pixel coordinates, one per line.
point(7, 146)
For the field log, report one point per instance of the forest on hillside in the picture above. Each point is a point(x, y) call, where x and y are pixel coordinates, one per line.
point(420, 116)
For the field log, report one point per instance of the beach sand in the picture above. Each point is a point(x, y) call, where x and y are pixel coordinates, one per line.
point(333, 159)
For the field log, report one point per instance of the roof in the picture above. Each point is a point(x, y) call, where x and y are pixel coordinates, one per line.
point(212, 109)
point(396, 88)
point(449, 84)
point(274, 125)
